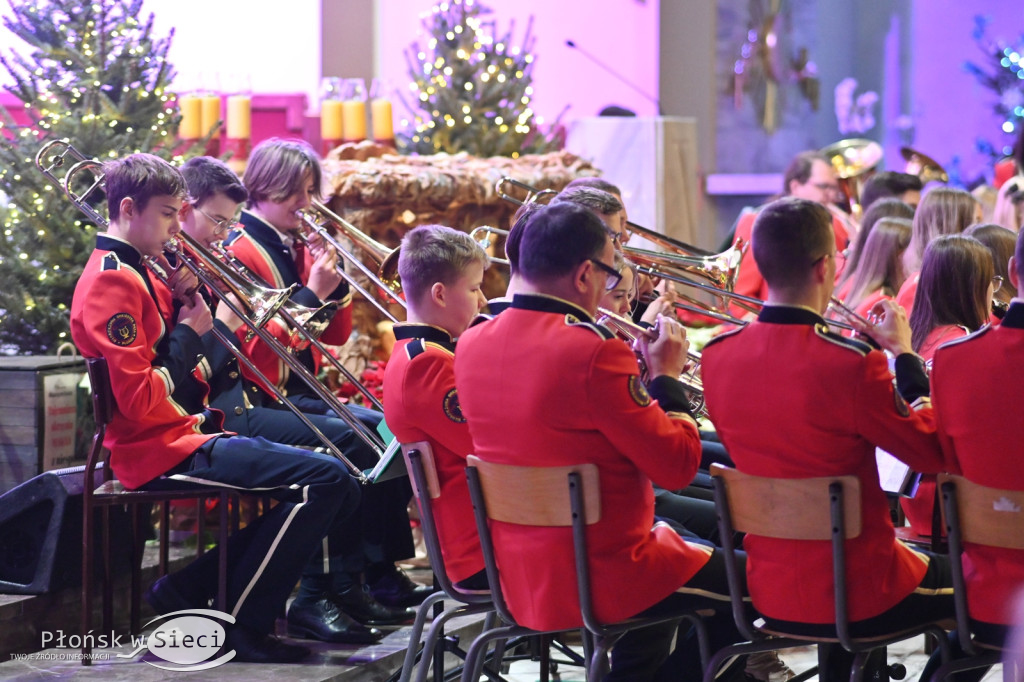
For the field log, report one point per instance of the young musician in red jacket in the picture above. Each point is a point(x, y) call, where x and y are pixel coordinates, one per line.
point(164, 434)
point(442, 271)
point(977, 408)
point(215, 196)
point(832, 403)
point(283, 177)
point(541, 384)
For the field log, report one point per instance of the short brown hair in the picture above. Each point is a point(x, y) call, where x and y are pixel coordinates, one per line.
point(276, 168)
point(141, 177)
point(435, 253)
point(799, 168)
point(788, 237)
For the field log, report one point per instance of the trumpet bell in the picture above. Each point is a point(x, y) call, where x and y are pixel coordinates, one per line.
point(923, 166)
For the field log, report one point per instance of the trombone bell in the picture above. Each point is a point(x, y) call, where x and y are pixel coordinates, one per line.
point(923, 166)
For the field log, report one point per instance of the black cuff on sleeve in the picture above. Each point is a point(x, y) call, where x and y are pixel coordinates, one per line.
point(911, 379)
point(305, 296)
point(669, 393)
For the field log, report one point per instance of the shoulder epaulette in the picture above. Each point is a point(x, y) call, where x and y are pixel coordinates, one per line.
point(724, 335)
point(855, 345)
point(969, 337)
point(111, 262)
point(603, 332)
point(414, 348)
point(232, 237)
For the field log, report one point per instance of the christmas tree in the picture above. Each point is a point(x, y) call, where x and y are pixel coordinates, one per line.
point(94, 74)
point(1003, 73)
point(472, 88)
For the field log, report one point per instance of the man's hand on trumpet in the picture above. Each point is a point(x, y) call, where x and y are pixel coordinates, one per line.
point(666, 354)
point(887, 326)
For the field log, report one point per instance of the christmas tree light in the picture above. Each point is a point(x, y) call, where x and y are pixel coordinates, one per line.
point(1004, 75)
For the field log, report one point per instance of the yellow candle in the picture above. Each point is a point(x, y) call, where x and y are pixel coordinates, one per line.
point(354, 119)
point(331, 119)
point(190, 127)
point(239, 117)
point(383, 128)
point(211, 113)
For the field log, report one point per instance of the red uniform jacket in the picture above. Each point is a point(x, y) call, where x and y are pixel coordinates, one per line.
point(829, 401)
point(908, 292)
point(258, 246)
point(920, 507)
point(542, 385)
point(156, 371)
point(420, 403)
point(977, 408)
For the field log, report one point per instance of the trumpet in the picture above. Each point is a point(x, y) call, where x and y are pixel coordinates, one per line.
point(631, 331)
point(218, 278)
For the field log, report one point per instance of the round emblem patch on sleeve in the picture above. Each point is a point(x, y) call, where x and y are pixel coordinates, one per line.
point(121, 329)
point(901, 405)
point(638, 392)
point(452, 409)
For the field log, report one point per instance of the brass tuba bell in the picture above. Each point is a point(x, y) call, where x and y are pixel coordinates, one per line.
point(852, 160)
point(923, 166)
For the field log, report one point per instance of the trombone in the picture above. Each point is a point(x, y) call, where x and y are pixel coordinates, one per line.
point(484, 235)
point(386, 278)
point(631, 331)
point(212, 273)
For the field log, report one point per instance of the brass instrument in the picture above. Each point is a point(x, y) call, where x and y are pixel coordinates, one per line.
point(257, 304)
point(664, 241)
point(852, 160)
point(483, 236)
point(631, 331)
point(924, 167)
point(849, 315)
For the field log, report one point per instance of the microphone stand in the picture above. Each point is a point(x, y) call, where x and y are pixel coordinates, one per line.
point(653, 100)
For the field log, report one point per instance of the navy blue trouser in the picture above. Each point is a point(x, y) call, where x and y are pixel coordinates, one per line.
point(265, 559)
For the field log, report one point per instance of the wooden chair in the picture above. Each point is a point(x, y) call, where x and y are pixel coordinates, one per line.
point(102, 491)
point(982, 516)
point(795, 509)
point(549, 496)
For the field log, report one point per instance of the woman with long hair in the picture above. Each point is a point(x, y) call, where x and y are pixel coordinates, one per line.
point(942, 211)
point(952, 301)
point(1001, 243)
point(883, 208)
point(879, 273)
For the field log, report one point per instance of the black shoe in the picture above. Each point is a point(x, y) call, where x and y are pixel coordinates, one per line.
point(165, 597)
point(397, 589)
point(357, 602)
point(328, 623)
point(253, 647)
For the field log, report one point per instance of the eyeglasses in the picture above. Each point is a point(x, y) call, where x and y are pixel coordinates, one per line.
point(826, 187)
point(614, 276)
point(997, 283)
point(222, 225)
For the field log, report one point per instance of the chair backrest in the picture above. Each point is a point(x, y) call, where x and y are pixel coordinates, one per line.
point(103, 412)
point(987, 516)
point(532, 496)
point(536, 496)
point(980, 515)
point(419, 462)
point(779, 507)
point(788, 509)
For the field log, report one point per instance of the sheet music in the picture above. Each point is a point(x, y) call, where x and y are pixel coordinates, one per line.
point(895, 477)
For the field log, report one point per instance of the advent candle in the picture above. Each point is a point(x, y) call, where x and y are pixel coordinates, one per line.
point(190, 127)
point(383, 128)
point(239, 117)
point(210, 113)
point(354, 120)
point(331, 117)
